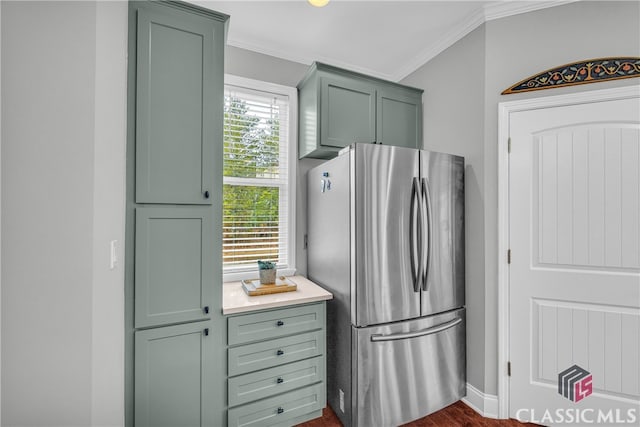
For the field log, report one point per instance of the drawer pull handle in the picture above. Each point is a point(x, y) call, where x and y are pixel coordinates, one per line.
point(279, 323)
point(280, 410)
point(279, 352)
point(279, 380)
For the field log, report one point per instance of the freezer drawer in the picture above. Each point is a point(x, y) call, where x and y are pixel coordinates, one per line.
point(407, 370)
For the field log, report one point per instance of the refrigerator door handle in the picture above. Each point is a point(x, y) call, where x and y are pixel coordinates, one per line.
point(413, 235)
point(429, 331)
point(426, 200)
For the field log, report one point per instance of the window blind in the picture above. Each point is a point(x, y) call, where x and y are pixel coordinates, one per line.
point(256, 176)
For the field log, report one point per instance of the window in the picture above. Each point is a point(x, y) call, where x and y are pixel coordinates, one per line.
point(258, 220)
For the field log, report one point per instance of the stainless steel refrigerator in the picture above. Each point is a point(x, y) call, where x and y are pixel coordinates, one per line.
point(386, 237)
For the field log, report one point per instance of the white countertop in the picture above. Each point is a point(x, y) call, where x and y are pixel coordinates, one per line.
point(235, 300)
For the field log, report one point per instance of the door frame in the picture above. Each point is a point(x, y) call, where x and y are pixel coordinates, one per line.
point(505, 109)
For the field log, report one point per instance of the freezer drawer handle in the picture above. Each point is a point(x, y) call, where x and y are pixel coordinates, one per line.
point(429, 331)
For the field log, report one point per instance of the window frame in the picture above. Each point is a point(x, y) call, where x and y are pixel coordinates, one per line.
point(292, 163)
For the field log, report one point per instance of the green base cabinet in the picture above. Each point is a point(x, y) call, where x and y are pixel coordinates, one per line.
point(170, 365)
point(339, 107)
point(276, 366)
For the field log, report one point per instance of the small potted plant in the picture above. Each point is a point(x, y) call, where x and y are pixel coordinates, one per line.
point(267, 271)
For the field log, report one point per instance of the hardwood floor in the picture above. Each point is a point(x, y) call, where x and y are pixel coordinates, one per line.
point(456, 415)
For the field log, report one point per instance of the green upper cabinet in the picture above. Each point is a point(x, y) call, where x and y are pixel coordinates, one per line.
point(339, 95)
point(399, 117)
point(339, 107)
point(178, 88)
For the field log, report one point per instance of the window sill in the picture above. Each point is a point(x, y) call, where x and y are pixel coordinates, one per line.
point(253, 274)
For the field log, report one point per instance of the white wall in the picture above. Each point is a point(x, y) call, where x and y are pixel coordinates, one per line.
point(63, 110)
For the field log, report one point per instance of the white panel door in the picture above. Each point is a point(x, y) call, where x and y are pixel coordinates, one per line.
point(574, 278)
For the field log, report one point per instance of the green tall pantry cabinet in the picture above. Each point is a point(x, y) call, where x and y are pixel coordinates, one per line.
point(175, 361)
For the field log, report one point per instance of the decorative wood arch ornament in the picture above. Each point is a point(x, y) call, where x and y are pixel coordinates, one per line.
point(587, 71)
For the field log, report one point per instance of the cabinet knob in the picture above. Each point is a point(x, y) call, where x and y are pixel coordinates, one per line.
point(206, 194)
point(279, 323)
point(206, 332)
point(280, 410)
point(279, 380)
point(206, 309)
point(279, 352)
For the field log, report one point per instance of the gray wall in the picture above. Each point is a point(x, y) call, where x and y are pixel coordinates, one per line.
point(513, 49)
point(245, 63)
point(63, 105)
point(454, 123)
point(0, 218)
point(109, 174)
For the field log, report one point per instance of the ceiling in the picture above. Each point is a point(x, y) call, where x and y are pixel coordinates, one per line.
point(386, 39)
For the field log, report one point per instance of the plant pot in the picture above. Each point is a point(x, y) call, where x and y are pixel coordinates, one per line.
point(268, 277)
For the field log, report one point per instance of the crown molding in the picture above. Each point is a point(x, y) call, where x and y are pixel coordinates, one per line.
point(503, 9)
point(306, 60)
point(434, 49)
point(491, 11)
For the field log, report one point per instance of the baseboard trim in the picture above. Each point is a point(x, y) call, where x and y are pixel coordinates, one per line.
point(484, 404)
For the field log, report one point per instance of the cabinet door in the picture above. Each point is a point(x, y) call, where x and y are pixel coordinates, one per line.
point(176, 94)
point(399, 118)
point(173, 376)
point(348, 111)
point(174, 265)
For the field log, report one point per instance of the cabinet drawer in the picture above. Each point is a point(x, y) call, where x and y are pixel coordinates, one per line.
point(258, 385)
point(274, 324)
point(266, 354)
point(279, 409)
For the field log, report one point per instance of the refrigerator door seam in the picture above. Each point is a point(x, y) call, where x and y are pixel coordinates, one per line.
point(429, 228)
